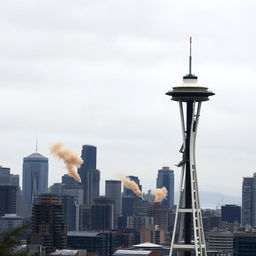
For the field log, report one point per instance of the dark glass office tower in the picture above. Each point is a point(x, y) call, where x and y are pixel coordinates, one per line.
point(8, 199)
point(103, 213)
point(165, 178)
point(129, 192)
point(90, 176)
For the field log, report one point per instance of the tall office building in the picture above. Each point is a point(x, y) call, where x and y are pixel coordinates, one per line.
point(247, 201)
point(113, 191)
point(35, 180)
point(4, 175)
point(102, 213)
point(129, 192)
point(90, 176)
point(8, 199)
point(47, 223)
point(70, 209)
point(165, 178)
point(6, 178)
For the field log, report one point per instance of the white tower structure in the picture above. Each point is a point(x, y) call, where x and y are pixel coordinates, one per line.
point(188, 234)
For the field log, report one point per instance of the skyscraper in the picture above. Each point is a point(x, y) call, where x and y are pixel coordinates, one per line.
point(8, 199)
point(47, 223)
point(247, 201)
point(113, 191)
point(165, 178)
point(90, 176)
point(4, 175)
point(129, 192)
point(103, 213)
point(70, 212)
point(35, 180)
point(6, 178)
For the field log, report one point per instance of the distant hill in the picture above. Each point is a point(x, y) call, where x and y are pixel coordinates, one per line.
point(215, 199)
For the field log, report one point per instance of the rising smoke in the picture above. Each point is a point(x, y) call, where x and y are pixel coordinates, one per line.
point(131, 185)
point(160, 194)
point(70, 158)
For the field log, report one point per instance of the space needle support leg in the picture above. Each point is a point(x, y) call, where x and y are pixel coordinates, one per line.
point(180, 198)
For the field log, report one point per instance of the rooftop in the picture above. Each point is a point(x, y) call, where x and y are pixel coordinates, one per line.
point(36, 156)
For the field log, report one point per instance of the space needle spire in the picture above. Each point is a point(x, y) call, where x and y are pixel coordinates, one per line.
point(188, 234)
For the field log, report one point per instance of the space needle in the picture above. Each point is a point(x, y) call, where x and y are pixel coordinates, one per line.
point(188, 234)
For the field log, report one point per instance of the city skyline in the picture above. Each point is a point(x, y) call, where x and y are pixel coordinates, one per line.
point(89, 67)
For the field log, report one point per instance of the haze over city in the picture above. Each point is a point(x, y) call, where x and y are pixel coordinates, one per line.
point(96, 72)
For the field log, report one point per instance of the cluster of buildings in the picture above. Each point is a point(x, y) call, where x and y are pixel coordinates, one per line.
point(75, 216)
point(71, 217)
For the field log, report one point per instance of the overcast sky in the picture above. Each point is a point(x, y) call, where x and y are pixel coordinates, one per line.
point(96, 72)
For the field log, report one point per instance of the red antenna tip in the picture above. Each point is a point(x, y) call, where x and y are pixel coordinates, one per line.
point(190, 39)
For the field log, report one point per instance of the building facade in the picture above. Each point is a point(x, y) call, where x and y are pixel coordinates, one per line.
point(47, 223)
point(249, 201)
point(8, 199)
point(90, 176)
point(113, 191)
point(35, 180)
point(231, 213)
point(102, 212)
point(165, 178)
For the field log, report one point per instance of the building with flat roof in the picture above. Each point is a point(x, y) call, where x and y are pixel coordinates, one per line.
point(102, 242)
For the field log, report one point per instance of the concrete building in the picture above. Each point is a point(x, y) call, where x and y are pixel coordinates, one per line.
point(165, 178)
point(153, 235)
point(90, 176)
point(47, 223)
point(161, 216)
point(35, 180)
point(113, 191)
point(140, 222)
point(220, 241)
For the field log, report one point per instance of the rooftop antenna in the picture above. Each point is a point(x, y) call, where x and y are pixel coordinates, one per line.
point(190, 56)
point(36, 143)
point(190, 75)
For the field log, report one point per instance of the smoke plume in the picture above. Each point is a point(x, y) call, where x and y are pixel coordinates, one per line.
point(160, 194)
point(70, 158)
point(131, 185)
